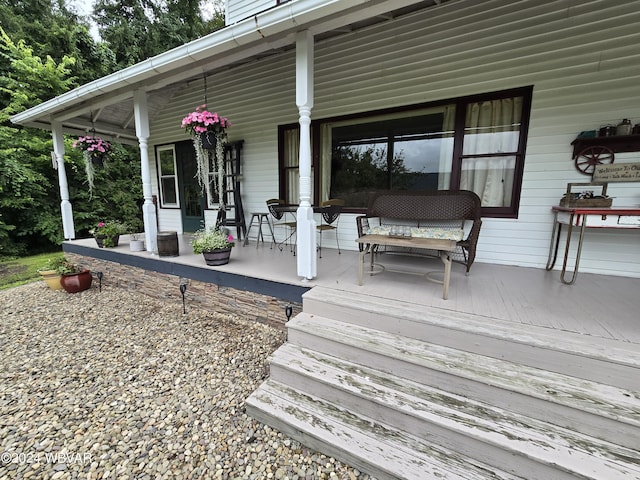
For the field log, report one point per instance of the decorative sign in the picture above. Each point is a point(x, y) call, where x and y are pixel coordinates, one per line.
point(620, 172)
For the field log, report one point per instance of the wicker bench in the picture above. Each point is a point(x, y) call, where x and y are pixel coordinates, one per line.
point(447, 209)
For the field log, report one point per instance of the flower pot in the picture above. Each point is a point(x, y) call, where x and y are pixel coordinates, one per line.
point(136, 245)
point(113, 241)
point(76, 282)
point(217, 257)
point(208, 140)
point(51, 278)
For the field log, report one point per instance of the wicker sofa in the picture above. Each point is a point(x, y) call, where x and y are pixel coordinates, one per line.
point(428, 208)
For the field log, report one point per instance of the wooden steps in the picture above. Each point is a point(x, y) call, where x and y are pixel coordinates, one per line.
point(359, 392)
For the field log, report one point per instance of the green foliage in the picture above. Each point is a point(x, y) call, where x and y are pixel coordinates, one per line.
point(211, 239)
point(18, 271)
point(45, 50)
point(139, 29)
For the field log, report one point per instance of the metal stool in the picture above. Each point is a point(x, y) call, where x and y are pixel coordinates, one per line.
point(261, 217)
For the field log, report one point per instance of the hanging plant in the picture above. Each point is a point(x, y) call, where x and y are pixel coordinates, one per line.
point(94, 152)
point(208, 130)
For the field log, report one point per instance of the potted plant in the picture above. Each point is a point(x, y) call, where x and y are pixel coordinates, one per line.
point(49, 272)
point(208, 130)
point(215, 244)
point(94, 152)
point(107, 234)
point(136, 244)
point(73, 277)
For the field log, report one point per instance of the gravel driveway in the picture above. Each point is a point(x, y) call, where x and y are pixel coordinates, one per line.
point(114, 384)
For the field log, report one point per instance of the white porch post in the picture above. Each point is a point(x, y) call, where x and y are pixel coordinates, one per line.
point(306, 225)
point(148, 208)
point(65, 205)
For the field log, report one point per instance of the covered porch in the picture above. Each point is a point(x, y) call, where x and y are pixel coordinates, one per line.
point(599, 306)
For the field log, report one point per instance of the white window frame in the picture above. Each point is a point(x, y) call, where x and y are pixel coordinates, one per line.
point(162, 176)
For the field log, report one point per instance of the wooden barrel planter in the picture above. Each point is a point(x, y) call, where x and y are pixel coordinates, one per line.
point(217, 257)
point(167, 244)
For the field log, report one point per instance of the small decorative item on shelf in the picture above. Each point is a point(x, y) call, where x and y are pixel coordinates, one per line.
point(624, 127)
point(585, 199)
point(208, 130)
point(95, 151)
point(607, 130)
point(74, 278)
point(215, 244)
point(107, 234)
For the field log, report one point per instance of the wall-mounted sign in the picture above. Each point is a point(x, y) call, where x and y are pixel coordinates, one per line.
point(617, 172)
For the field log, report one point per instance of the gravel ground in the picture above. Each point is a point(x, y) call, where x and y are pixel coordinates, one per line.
point(114, 384)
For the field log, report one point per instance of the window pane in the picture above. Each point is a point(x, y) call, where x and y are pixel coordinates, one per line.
point(166, 162)
point(493, 126)
point(491, 178)
point(357, 170)
point(397, 152)
point(169, 191)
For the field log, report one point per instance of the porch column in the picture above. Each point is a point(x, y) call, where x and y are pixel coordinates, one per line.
point(65, 205)
point(306, 225)
point(148, 208)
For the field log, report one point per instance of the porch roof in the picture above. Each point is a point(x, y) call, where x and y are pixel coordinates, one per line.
point(106, 104)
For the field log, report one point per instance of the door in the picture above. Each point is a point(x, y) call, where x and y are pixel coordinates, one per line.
point(191, 198)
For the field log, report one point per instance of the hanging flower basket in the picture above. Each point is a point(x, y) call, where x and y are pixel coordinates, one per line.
point(94, 152)
point(208, 130)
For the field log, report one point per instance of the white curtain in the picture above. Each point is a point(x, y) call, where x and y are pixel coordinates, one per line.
point(325, 161)
point(491, 127)
point(292, 154)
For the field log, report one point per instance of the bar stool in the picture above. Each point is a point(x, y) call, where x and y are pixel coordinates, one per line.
point(259, 218)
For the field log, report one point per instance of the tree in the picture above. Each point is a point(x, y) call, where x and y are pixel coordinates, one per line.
point(24, 152)
point(139, 29)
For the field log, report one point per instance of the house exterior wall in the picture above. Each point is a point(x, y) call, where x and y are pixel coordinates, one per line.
point(581, 57)
point(237, 10)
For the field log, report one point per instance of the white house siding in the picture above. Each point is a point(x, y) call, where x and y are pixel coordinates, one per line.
point(582, 58)
point(237, 10)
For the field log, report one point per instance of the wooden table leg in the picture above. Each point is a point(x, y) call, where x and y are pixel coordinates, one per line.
point(361, 265)
point(446, 259)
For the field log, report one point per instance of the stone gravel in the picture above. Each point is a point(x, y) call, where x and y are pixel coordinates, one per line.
point(113, 384)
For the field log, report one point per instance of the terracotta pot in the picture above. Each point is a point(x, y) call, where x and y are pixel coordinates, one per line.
point(101, 238)
point(51, 278)
point(76, 282)
point(217, 257)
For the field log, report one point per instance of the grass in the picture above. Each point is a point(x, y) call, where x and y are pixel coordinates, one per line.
point(18, 271)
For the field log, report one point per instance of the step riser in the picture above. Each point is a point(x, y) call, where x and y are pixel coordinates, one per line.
point(579, 366)
point(495, 454)
point(328, 448)
point(538, 408)
point(372, 447)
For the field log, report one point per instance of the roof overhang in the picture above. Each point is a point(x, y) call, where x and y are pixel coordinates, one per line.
point(106, 104)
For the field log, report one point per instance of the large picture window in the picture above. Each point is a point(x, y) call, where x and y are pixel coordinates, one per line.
point(472, 143)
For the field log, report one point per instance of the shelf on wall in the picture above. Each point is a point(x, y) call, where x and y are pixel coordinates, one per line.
point(616, 143)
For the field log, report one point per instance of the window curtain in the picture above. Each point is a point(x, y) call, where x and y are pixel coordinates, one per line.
point(491, 127)
point(291, 164)
point(325, 161)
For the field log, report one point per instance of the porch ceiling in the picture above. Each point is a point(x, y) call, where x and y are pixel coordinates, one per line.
point(106, 105)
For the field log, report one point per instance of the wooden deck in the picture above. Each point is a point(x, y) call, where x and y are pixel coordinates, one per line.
point(596, 305)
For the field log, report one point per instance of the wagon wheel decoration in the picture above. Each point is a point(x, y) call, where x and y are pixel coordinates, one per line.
point(589, 157)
